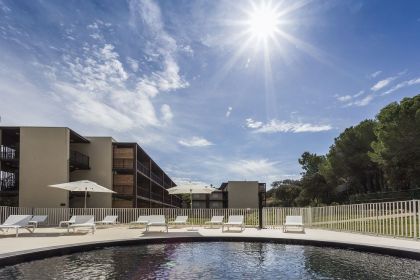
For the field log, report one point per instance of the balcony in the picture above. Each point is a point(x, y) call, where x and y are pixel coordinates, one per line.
point(8, 183)
point(157, 178)
point(143, 191)
point(156, 196)
point(123, 164)
point(142, 168)
point(7, 153)
point(123, 189)
point(78, 161)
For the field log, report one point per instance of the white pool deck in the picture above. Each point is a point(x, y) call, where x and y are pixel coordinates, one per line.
point(45, 238)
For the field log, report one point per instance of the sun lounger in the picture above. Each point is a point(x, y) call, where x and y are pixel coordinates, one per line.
point(69, 222)
point(215, 220)
point(180, 220)
point(16, 222)
point(141, 220)
point(84, 221)
point(36, 220)
point(294, 221)
point(157, 221)
point(108, 220)
point(234, 221)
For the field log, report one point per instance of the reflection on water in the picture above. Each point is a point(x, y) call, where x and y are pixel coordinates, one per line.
point(218, 260)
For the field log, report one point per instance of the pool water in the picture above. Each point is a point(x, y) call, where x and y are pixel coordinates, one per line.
point(217, 260)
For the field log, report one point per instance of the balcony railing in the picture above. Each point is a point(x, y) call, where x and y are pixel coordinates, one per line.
point(156, 196)
point(143, 191)
point(9, 183)
point(142, 168)
point(78, 160)
point(7, 153)
point(156, 178)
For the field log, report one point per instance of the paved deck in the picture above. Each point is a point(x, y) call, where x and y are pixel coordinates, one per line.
point(45, 239)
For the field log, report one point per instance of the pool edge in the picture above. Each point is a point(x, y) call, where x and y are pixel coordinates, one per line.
point(53, 251)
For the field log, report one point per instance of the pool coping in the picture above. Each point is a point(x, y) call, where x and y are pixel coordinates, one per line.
point(13, 258)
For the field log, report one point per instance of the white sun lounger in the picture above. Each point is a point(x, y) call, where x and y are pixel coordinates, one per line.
point(16, 222)
point(141, 220)
point(108, 220)
point(69, 222)
point(84, 221)
point(234, 221)
point(35, 220)
point(215, 220)
point(294, 221)
point(180, 220)
point(157, 221)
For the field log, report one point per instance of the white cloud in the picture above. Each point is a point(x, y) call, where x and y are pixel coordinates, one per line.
point(195, 141)
point(134, 64)
point(144, 12)
point(166, 113)
point(359, 94)
point(274, 126)
point(375, 74)
point(349, 98)
point(403, 85)
point(363, 102)
point(250, 123)
point(228, 112)
point(344, 98)
point(382, 83)
point(97, 89)
point(250, 168)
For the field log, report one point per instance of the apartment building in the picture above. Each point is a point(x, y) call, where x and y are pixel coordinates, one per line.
point(233, 194)
point(33, 157)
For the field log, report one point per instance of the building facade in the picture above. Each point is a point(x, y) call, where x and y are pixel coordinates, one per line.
point(233, 194)
point(33, 157)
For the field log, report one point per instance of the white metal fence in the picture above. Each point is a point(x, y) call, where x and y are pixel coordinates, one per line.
point(399, 219)
point(127, 215)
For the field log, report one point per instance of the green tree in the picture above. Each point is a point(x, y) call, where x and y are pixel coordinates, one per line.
point(348, 163)
point(284, 193)
point(397, 148)
point(310, 163)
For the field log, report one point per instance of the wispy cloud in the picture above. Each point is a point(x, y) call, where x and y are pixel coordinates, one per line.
point(375, 74)
point(383, 83)
point(362, 102)
point(96, 87)
point(252, 168)
point(228, 112)
point(166, 112)
point(275, 125)
point(147, 12)
point(195, 141)
point(344, 98)
point(403, 85)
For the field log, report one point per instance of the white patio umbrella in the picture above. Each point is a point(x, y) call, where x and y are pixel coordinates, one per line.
point(82, 186)
point(191, 188)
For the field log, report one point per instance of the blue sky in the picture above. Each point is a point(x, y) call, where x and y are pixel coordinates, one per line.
point(208, 99)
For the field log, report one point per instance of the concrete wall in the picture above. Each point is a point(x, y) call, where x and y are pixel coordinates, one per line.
point(242, 194)
point(44, 160)
point(99, 151)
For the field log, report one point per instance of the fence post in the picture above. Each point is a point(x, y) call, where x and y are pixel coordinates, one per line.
point(416, 215)
point(309, 213)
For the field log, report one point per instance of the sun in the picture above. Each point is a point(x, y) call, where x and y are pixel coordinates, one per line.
point(263, 22)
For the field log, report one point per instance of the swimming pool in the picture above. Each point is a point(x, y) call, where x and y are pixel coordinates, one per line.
point(217, 260)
